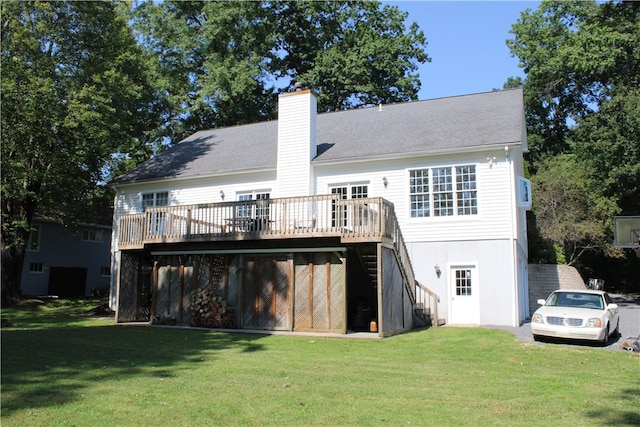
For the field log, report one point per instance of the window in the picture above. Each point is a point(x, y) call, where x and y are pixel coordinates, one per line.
point(36, 267)
point(466, 192)
point(33, 244)
point(444, 191)
point(261, 208)
point(339, 217)
point(463, 282)
point(155, 199)
point(157, 224)
point(92, 235)
point(419, 190)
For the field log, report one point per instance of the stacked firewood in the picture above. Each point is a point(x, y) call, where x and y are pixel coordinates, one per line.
point(211, 311)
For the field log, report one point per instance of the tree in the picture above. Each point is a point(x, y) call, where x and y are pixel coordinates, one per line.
point(609, 142)
point(576, 55)
point(220, 63)
point(582, 87)
point(570, 210)
point(74, 94)
point(351, 53)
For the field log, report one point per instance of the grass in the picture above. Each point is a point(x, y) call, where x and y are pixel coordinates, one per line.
point(62, 368)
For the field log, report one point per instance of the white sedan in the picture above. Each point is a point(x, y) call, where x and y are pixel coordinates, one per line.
point(576, 314)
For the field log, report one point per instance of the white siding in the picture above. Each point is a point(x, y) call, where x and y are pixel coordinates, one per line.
point(128, 198)
point(495, 285)
point(495, 199)
point(296, 143)
point(494, 240)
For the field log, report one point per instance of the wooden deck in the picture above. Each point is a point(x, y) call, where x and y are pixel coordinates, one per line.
point(355, 220)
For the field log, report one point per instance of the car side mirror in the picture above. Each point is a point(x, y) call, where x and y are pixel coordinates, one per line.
point(541, 302)
point(612, 306)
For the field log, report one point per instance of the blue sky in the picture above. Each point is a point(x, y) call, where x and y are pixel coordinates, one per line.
point(466, 44)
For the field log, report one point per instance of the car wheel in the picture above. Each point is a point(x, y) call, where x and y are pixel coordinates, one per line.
point(605, 340)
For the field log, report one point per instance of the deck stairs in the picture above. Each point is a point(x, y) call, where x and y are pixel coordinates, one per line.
point(422, 313)
point(369, 259)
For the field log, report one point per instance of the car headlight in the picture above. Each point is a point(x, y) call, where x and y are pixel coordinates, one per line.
point(537, 318)
point(594, 323)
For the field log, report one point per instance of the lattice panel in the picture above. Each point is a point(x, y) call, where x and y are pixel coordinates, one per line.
point(392, 289)
point(302, 312)
point(281, 288)
point(266, 293)
point(175, 292)
point(135, 288)
point(144, 300)
point(127, 301)
point(321, 294)
point(163, 291)
point(338, 293)
point(320, 305)
point(233, 291)
point(188, 288)
point(249, 288)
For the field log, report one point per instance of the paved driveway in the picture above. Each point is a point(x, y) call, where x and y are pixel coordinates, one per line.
point(629, 325)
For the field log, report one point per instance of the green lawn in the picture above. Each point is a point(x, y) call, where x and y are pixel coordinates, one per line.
point(62, 368)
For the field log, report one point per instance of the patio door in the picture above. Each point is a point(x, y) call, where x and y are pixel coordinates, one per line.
point(465, 304)
point(339, 213)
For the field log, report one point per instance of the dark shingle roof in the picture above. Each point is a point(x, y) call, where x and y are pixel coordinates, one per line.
point(454, 124)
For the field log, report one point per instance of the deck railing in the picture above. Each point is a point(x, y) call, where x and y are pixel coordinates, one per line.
point(261, 219)
point(353, 220)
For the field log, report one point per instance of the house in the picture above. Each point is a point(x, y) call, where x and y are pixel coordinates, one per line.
point(66, 260)
point(373, 219)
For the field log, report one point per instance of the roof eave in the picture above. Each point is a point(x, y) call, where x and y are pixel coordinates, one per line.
point(412, 154)
point(190, 177)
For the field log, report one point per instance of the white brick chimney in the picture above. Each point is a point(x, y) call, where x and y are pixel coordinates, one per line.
point(297, 145)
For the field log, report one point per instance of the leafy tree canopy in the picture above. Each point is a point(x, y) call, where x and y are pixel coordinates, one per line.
point(74, 94)
point(220, 63)
point(582, 100)
point(576, 55)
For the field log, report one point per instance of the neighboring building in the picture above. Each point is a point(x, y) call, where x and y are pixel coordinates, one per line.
point(328, 222)
point(66, 261)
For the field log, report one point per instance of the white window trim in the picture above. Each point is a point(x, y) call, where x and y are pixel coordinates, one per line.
point(155, 198)
point(41, 271)
point(445, 218)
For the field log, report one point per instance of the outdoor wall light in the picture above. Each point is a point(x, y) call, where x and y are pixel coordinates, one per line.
point(438, 271)
point(385, 181)
point(222, 194)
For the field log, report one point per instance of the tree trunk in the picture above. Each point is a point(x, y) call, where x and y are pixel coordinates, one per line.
point(16, 227)
point(12, 263)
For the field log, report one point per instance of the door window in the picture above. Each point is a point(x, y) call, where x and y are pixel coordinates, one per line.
point(339, 214)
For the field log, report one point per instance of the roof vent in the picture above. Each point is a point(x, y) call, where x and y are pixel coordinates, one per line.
point(299, 86)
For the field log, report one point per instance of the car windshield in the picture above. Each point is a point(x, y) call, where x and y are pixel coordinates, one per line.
point(575, 299)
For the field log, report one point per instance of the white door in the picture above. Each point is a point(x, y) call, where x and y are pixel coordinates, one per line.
point(465, 304)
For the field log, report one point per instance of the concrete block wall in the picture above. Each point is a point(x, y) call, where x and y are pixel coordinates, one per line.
point(546, 278)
